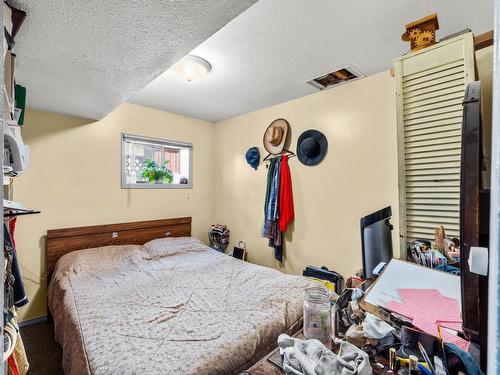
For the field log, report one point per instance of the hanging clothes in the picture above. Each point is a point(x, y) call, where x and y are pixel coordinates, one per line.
point(270, 173)
point(271, 206)
point(277, 243)
point(12, 229)
point(14, 296)
point(270, 229)
point(274, 198)
point(20, 357)
point(14, 287)
point(13, 368)
point(287, 212)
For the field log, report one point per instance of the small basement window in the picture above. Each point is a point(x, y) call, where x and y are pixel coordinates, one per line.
point(153, 163)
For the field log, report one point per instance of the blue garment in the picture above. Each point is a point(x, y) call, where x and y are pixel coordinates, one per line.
point(448, 268)
point(271, 208)
point(270, 175)
point(467, 364)
point(274, 198)
point(253, 157)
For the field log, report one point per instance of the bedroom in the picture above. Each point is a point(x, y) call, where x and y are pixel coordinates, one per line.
point(95, 71)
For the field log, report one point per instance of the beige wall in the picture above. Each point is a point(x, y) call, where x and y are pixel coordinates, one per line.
point(358, 176)
point(74, 179)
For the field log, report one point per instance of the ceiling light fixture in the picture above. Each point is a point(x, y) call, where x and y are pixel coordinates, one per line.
point(192, 68)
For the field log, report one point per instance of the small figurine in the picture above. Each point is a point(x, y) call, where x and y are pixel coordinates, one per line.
point(439, 237)
point(421, 33)
point(445, 246)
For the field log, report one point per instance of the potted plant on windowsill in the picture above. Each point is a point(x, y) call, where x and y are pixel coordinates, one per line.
point(157, 174)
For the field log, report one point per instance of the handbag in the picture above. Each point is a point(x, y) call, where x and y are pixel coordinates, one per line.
point(239, 251)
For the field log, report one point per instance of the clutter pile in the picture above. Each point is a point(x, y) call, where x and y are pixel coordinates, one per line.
point(401, 329)
point(443, 254)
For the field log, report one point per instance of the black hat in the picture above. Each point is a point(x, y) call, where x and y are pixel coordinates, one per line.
point(311, 147)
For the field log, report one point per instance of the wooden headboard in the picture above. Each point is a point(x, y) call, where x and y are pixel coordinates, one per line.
point(63, 241)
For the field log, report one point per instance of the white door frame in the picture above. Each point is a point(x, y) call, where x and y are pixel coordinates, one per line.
point(494, 268)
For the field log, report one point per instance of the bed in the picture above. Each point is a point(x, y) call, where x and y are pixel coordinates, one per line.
point(127, 302)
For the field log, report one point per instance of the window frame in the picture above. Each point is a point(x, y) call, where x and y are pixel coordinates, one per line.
point(125, 137)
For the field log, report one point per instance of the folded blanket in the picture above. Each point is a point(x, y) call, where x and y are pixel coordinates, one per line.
point(311, 357)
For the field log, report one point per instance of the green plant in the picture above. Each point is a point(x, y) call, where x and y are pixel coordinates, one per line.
point(154, 172)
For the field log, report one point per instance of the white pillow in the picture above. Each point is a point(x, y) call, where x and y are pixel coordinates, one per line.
point(173, 245)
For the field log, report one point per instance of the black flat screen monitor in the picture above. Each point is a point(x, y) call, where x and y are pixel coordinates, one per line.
point(376, 240)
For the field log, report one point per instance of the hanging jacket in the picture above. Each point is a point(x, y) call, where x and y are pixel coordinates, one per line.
point(270, 174)
point(275, 191)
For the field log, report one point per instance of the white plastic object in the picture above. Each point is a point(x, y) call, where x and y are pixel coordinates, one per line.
point(478, 260)
point(380, 267)
point(19, 153)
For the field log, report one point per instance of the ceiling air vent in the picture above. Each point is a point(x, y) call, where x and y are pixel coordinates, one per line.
point(335, 78)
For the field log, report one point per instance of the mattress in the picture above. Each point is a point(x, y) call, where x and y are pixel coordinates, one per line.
point(172, 306)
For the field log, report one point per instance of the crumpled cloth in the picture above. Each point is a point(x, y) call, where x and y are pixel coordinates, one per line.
point(356, 336)
point(356, 294)
point(355, 312)
point(376, 328)
point(311, 357)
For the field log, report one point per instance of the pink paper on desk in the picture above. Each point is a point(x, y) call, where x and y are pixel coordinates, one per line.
point(428, 309)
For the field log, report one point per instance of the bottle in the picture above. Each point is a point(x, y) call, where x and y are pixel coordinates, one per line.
point(317, 315)
point(392, 361)
point(414, 370)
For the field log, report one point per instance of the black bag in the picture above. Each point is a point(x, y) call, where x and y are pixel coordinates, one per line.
point(240, 251)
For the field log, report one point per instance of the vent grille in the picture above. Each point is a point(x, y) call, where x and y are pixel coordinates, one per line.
point(335, 78)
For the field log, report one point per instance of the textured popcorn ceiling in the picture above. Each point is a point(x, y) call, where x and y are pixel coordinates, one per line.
point(265, 55)
point(85, 57)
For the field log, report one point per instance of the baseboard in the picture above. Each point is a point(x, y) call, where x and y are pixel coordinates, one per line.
point(30, 322)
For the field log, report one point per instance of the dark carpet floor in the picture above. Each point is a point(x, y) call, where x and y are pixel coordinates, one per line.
point(44, 353)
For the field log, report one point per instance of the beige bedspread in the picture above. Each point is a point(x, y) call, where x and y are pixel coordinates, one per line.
point(173, 306)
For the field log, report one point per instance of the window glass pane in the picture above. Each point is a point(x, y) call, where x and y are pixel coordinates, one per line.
point(155, 163)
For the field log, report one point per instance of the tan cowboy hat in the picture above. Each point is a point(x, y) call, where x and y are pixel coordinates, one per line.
point(276, 136)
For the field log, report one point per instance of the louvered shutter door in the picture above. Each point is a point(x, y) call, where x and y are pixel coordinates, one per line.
point(430, 86)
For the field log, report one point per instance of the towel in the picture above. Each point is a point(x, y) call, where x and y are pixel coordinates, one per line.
point(311, 357)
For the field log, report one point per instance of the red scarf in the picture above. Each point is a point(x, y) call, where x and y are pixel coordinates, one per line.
point(12, 229)
point(286, 214)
